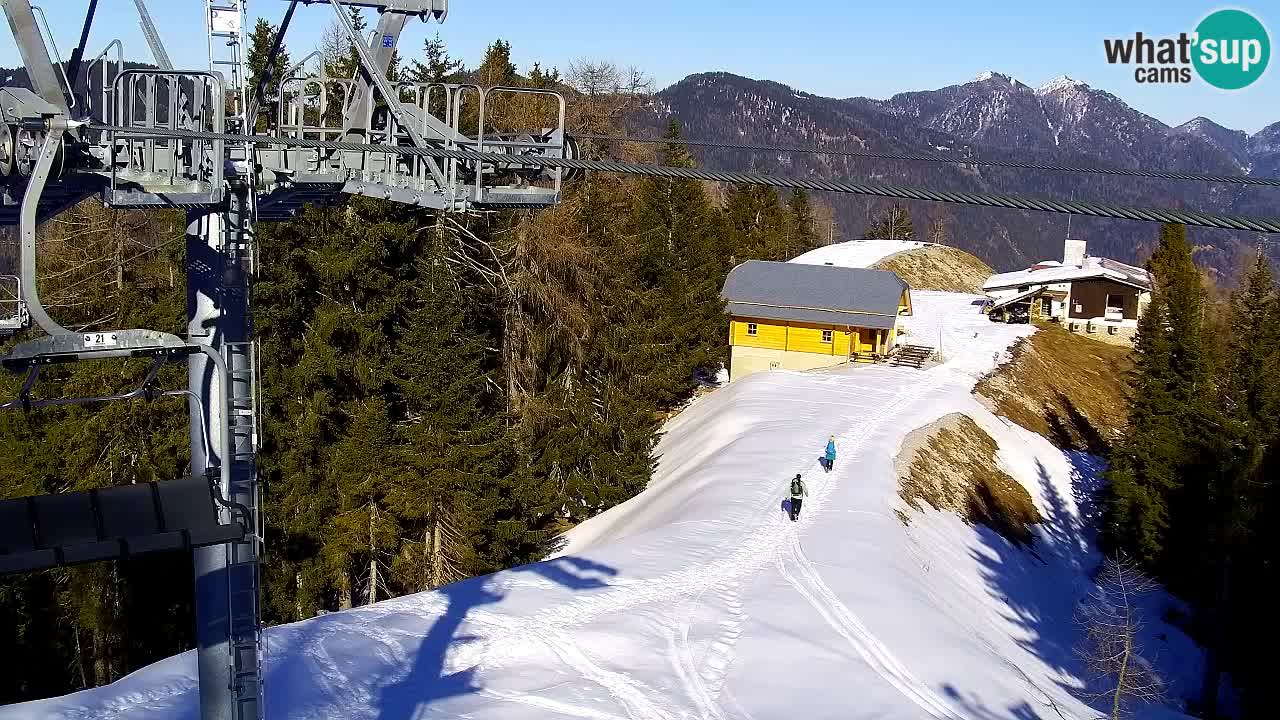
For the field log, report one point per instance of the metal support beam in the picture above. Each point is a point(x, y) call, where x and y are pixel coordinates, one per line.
point(77, 54)
point(426, 9)
point(27, 229)
point(269, 71)
point(369, 68)
point(226, 577)
point(35, 54)
point(153, 37)
point(385, 39)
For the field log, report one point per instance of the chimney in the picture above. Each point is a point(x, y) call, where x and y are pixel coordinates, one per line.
point(1073, 252)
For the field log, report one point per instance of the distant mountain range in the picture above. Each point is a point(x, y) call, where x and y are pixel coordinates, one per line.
point(994, 116)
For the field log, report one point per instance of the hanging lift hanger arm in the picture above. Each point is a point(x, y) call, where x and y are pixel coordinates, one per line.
point(35, 54)
point(269, 71)
point(427, 9)
point(27, 229)
point(153, 37)
point(77, 54)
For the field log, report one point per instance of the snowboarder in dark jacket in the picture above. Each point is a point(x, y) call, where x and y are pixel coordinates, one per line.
point(798, 493)
point(830, 456)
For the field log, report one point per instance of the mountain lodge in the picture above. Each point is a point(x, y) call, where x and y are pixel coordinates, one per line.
point(803, 317)
point(1090, 295)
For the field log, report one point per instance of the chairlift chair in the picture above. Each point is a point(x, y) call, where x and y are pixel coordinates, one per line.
point(13, 309)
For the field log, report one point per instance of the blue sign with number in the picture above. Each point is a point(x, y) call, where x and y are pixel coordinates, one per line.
point(388, 41)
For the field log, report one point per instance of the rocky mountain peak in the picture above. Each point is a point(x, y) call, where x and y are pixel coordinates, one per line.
point(1061, 84)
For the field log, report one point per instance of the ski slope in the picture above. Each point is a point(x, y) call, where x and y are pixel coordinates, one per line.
point(857, 253)
point(698, 599)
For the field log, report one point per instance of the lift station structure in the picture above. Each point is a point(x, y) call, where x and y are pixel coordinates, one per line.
point(154, 138)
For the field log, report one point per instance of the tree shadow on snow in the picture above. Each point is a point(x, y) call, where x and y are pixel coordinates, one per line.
point(427, 681)
point(1039, 587)
point(973, 708)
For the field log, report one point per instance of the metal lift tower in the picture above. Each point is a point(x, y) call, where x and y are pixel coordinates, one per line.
point(90, 128)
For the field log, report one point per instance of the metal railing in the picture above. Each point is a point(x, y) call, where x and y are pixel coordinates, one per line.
point(172, 100)
point(319, 108)
point(107, 87)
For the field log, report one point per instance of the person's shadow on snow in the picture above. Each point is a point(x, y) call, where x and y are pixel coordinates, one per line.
point(427, 682)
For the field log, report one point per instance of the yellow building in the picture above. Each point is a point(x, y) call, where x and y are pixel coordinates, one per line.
point(802, 317)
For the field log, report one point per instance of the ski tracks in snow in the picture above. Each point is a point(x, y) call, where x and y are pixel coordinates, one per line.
point(773, 540)
point(873, 652)
point(703, 685)
point(502, 640)
point(802, 575)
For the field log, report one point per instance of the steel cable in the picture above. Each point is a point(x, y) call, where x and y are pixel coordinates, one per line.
point(924, 157)
point(1013, 202)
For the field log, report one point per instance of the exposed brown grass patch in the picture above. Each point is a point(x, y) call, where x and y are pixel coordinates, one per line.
point(951, 465)
point(938, 267)
point(1066, 387)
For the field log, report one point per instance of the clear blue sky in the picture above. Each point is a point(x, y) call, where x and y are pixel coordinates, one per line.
point(838, 48)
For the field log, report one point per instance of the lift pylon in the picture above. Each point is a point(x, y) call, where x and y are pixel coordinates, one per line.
point(54, 152)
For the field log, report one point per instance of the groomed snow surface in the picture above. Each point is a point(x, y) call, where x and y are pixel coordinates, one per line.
point(699, 599)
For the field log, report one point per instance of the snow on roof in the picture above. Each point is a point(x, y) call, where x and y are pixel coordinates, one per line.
point(1093, 268)
point(1017, 298)
point(857, 253)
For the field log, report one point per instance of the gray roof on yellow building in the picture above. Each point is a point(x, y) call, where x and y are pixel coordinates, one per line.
point(820, 294)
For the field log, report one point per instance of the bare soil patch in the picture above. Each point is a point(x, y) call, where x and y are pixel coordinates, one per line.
point(938, 267)
point(951, 465)
point(1066, 387)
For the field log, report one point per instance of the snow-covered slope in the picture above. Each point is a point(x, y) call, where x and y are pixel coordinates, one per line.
point(699, 599)
point(856, 253)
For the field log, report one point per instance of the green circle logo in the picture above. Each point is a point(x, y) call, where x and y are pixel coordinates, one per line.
point(1232, 49)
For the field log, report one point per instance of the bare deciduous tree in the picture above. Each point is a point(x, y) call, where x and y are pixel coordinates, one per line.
point(606, 93)
point(939, 231)
point(1112, 622)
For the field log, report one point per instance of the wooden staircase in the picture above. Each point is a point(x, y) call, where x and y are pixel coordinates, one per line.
point(913, 356)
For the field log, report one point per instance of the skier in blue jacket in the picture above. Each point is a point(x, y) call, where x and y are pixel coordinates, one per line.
point(831, 454)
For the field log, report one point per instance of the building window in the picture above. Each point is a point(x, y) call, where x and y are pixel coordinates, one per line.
point(1115, 307)
point(826, 336)
point(752, 330)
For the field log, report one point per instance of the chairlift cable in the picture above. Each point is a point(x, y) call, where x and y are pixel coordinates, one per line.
point(925, 157)
point(1013, 202)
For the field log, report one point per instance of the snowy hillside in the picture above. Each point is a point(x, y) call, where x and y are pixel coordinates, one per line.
point(856, 253)
point(699, 599)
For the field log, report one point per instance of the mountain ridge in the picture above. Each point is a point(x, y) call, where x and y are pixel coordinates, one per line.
point(994, 116)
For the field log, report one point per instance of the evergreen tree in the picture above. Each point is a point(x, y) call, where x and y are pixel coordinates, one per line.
point(801, 237)
point(496, 68)
point(460, 479)
point(893, 224)
point(1251, 385)
point(353, 56)
point(757, 223)
point(539, 78)
point(260, 42)
point(679, 263)
point(437, 66)
point(1147, 478)
point(1238, 468)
